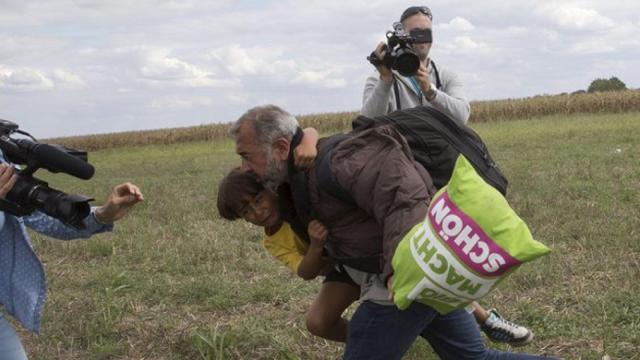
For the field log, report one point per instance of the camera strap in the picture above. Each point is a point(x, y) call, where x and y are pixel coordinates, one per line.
point(435, 71)
point(396, 90)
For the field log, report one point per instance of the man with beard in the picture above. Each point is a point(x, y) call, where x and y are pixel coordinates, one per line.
point(433, 85)
point(391, 194)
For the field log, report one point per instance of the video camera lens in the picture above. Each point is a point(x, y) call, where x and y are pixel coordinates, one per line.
point(406, 62)
point(29, 194)
point(68, 208)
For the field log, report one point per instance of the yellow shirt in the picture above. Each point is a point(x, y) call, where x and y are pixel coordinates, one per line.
point(286, 247)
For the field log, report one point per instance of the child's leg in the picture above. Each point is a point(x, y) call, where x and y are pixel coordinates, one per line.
point(324, 317)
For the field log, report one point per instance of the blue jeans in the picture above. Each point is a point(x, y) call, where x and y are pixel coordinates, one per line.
point(10, 344)
point(384, 332)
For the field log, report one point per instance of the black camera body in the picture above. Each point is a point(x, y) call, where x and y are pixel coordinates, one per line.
point(399, 55)
point(29, 193)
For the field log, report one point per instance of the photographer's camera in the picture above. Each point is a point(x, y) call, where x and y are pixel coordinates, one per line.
point(399, 53)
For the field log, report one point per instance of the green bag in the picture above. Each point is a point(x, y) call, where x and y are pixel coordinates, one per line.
point(470, 240)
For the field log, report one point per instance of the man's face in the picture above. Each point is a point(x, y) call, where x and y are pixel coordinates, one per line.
point(268, 161)
point(419, 21)
point(254, 155)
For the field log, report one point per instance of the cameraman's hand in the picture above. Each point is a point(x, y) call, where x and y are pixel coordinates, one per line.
point(385, 73)
point(120, 201)
point(7, 179)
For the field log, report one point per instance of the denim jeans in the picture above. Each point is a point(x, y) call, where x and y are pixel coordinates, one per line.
point(10, 344)
point(384, 332)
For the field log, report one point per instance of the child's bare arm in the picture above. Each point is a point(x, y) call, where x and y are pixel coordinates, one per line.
point(305, 153)
point(313, 263)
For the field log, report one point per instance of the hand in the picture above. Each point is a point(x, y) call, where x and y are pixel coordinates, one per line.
point(425, 83)
point(7, 179)
point(390, 287)
point(303, 156)
point(385, 72)
point(317, 233)
point(120, 201)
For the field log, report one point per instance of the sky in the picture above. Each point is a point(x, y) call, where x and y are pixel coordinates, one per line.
point(76, 67)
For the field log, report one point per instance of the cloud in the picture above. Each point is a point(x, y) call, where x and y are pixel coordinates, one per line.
point(457, 24)
point(592, 46)
point(319, 79)
point(464, 45)
point(176, 60)
point(236, 97)
point(276, 65)
point(23, 80)
point(174, 102)
point(158, 65)
point(68, 79)
point(572, 17)
point(36, 13)
point(246, 61)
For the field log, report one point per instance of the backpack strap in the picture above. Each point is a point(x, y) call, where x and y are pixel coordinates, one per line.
point(435, 71)
point(293, 197)
point(294, 202)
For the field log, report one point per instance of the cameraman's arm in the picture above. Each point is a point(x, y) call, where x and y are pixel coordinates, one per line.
point(451, 100)
point(375, 100)
point(101, 219)
point(55, 228)
point(377, 89)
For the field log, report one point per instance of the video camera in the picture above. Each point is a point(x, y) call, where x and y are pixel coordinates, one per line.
point(399, 54)
point(29, 193)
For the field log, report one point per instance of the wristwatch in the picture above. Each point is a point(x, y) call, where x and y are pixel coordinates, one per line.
point(431, 93)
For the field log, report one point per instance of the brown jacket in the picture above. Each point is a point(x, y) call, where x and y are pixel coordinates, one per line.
point(391, 190)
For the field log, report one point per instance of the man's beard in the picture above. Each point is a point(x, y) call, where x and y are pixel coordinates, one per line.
point(275, 172)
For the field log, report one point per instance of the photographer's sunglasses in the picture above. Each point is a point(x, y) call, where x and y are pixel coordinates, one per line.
point(414, 10)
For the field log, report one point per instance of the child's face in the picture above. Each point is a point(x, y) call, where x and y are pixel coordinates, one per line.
point(261, 209)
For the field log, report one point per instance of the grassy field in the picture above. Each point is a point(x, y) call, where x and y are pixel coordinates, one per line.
point(176, 282)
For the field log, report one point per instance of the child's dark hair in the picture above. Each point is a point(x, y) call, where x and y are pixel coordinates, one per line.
point(233, 191)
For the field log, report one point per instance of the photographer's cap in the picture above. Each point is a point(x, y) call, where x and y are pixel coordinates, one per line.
point(416, 10)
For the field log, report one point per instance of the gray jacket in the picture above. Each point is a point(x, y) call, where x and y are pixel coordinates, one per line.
point(379, 97)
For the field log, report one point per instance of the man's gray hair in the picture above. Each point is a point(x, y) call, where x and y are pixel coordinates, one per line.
point(270, 122)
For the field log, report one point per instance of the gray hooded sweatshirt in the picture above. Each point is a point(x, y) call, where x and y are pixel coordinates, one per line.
point(379, 96)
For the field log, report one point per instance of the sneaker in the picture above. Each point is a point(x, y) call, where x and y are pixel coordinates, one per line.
point(500, 330)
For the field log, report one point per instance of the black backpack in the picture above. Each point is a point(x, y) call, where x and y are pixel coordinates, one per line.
point(435, 141)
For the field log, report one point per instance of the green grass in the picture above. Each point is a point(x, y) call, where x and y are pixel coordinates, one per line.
point(175, 282)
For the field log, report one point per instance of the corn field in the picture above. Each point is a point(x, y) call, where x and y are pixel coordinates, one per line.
point(481, 111)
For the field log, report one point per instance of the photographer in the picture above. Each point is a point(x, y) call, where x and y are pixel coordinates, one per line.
point(22, 279)
point(432, 85)
point(389, 90)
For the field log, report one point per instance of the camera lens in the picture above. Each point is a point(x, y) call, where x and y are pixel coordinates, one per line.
point(30, 194)
point(407, 63)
